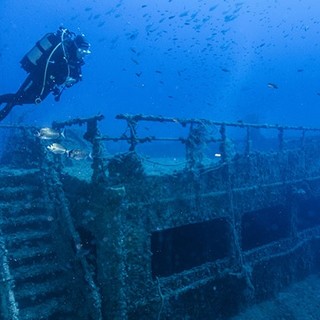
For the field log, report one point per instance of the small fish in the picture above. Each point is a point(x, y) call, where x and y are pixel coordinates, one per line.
point(212, 8)
point(78, 154)
point(57, 148)
point(183, 14)
point(272, 85)
point(134, 61)
point(230, 17)
point(49, 134)
point(101, 24)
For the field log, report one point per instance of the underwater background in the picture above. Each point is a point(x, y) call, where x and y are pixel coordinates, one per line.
point(228, 61)
point(204, 59)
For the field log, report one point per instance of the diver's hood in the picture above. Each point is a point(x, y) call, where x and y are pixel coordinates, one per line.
point(82, 44)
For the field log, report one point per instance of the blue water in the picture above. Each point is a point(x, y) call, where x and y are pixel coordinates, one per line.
point(254, 61)
point(194, 58)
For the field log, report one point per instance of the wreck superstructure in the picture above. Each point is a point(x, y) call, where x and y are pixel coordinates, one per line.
point(202, 241)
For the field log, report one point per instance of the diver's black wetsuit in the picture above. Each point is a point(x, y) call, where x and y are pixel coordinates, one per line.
point(55, 70)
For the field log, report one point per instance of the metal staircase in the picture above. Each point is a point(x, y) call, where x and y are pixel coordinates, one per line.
point(43, 273)
point(39, 281)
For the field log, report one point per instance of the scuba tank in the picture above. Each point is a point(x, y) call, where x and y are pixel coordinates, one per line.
point(37, 61)
point(39, 52)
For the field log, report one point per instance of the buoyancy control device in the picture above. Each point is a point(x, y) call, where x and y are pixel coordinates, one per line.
point(40, 52)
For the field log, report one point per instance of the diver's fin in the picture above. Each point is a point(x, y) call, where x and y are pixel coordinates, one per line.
point(6, 110)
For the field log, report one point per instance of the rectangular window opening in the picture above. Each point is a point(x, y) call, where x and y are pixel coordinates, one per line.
point(188, 246)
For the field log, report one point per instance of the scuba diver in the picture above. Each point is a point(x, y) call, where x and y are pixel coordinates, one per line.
point(53, 64)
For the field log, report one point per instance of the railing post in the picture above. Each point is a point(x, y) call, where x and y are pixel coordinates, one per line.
point(195, 145)
point(91, 135)
point(223, 145)
point(132, 124)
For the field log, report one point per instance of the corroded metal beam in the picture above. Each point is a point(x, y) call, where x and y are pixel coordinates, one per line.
point(78, 121)
point(183, 122)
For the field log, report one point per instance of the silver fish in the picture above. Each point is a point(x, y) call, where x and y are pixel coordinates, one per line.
point(272, 85)
point(78, 154)
point(57, 148)
point(49, 134)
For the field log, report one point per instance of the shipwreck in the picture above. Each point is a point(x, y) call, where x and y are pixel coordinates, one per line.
point(228, 224)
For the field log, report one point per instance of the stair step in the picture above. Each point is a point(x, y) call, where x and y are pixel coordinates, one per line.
point(28, 253)
point(12, 172)
point(15, 224)
point(12, 177)
point(18, 193)
point(44, 310)
point(27, 219)
point(34, 291)
point(27, 235)
point(29, 271)
point(20, 207)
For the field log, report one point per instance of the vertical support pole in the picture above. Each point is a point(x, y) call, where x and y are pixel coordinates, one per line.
point(132, 124)
point(223, 145)
point(91, 135)
point(235, 217)
point(62, 205)
point(111, 233)
point(190, 150)
point(196, 144)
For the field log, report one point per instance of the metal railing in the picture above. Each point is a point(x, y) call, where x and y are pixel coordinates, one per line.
point(197, 137)
point(198, 134)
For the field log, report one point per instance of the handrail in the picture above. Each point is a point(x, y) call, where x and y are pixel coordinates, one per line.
point(78, 121)
point(197, 138)
point(61, 203)
point(198, 135)
point(183, 122)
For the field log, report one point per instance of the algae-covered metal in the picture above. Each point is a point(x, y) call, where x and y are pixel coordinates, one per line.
point(231, 226)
